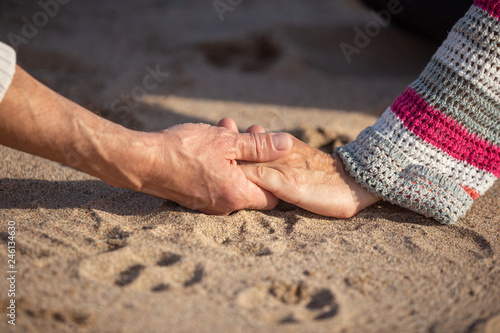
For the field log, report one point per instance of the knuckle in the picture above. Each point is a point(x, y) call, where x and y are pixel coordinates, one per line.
point(260, 146)
point(260, 172)
point(226, 139)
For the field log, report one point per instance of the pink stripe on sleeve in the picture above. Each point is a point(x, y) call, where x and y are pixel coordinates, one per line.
point(445, 133)
point(491, 6)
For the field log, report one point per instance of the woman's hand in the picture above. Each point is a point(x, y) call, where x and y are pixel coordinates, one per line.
point(308, 178)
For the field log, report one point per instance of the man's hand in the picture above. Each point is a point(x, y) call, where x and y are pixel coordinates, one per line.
point(196, 166)
point(310, 179)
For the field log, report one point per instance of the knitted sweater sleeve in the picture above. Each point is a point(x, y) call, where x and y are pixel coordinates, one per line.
point(436, 149)
point(7, 68)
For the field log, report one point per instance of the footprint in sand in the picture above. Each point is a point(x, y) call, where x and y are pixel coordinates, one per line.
point(446, 241)
point(252, 54)
point(458, 239)
point(137, 269)
point(282, 303)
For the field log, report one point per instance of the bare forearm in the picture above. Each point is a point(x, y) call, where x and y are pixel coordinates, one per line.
point(36, 120)
point(192, 164)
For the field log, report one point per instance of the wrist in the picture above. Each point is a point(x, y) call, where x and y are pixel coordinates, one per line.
point(117, 155)
point(130, 158)
point(154, 160)
point(361, 197)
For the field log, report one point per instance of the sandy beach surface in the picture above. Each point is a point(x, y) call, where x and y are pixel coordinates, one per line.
point(93, 258)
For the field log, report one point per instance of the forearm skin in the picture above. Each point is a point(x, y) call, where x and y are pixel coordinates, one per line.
point(37, 120)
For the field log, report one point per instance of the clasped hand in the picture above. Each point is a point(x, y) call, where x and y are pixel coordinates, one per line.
point(304, 176)
point(217, 170)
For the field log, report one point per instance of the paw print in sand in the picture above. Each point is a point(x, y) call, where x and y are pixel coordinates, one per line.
point(142, 269)
point(281, 302)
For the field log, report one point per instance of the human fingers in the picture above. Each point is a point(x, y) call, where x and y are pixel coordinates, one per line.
point(259, 198)
point(329, 199)
point(247, 195)
point(261, 147)
point(228, 123)
point(256, 129)
point(272, 180)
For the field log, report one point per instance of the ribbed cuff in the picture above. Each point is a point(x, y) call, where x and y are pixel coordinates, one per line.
point(381, 167)
point(7, 68)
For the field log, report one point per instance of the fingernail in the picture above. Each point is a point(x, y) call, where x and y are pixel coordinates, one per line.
point(281, 141)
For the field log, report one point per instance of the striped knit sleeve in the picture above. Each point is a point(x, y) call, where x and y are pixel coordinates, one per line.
point(7, 67)
point(437, 148)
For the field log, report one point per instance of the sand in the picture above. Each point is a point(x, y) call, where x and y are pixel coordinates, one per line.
point(92, 258)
